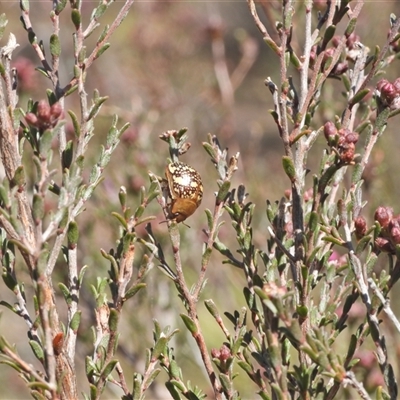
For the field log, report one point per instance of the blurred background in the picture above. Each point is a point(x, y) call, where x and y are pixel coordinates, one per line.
point(199, 65)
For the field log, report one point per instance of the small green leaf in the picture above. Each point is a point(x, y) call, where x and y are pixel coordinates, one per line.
point(313, 222)
point(37, 208)
point(102, 49)
point(33, 40)
point(76, 18)
point(302, 311)
point(3, 24)
point(19, 177)
point(122, 196)
point(73, 234)
point(294, 60)
point(67, 155)
point(96, 108)
point(93, 392)
point(82, 274)
point(190, 324)
point(246, 367)
point(99, 11)
point(60, 5)
point(121, 219)
point(9, 280)
point(174, 370)
point(226, 382)
point(358, 96)
point(75, 321)
point(139, 211)
point(113, 320)
point(24, 4)
point(65, 291)
point(289, 168)
point(273, 46)
point(82, 55)
point(42, 261)
point(346, 82)
point(209, 149)
point(159, 348)
point(103, 34)
point(133, 290)
point(45, 142)
point(212, 308)
point(137, 386)
point(223, 191)
point(37, 350)
point(173, 390)
point(350, 27)
point(329, 33)
point(90, 367)
point(153, 376)
point(9, 306)
point(55, 46)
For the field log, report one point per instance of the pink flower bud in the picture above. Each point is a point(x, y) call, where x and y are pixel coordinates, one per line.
point(340, 68)
point(56, 111)
point(396, 85)
point(328, 53)
point(43, 111)
point(225, 353)
point(395, 235)
point(383, 245)
point(360, 225)
point(383, 215)
point(31, 119)
point(330, 132)
point(343, 132)
point(352, 137)
point(351, 40)
point(215, 353)
point(388, 91)
point(336, 41)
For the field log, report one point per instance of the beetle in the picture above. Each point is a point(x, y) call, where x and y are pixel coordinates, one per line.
point(185, 188)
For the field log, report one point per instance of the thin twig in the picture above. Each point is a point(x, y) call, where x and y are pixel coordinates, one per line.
point(385, 303)
point(306, 55)
point(28, 369)
point(73, 286)
point(262, 28)
point(122, 380)
point(46, 317)
point(191, 302)
point(218, 211)
point(351, 380)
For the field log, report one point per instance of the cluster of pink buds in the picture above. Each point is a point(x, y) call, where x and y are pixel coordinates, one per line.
point(224, 357)
point(389, 93)
point(341, 66)
point(222, 354)
point(389, 236)
point(46, 116)
point(343, 140)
